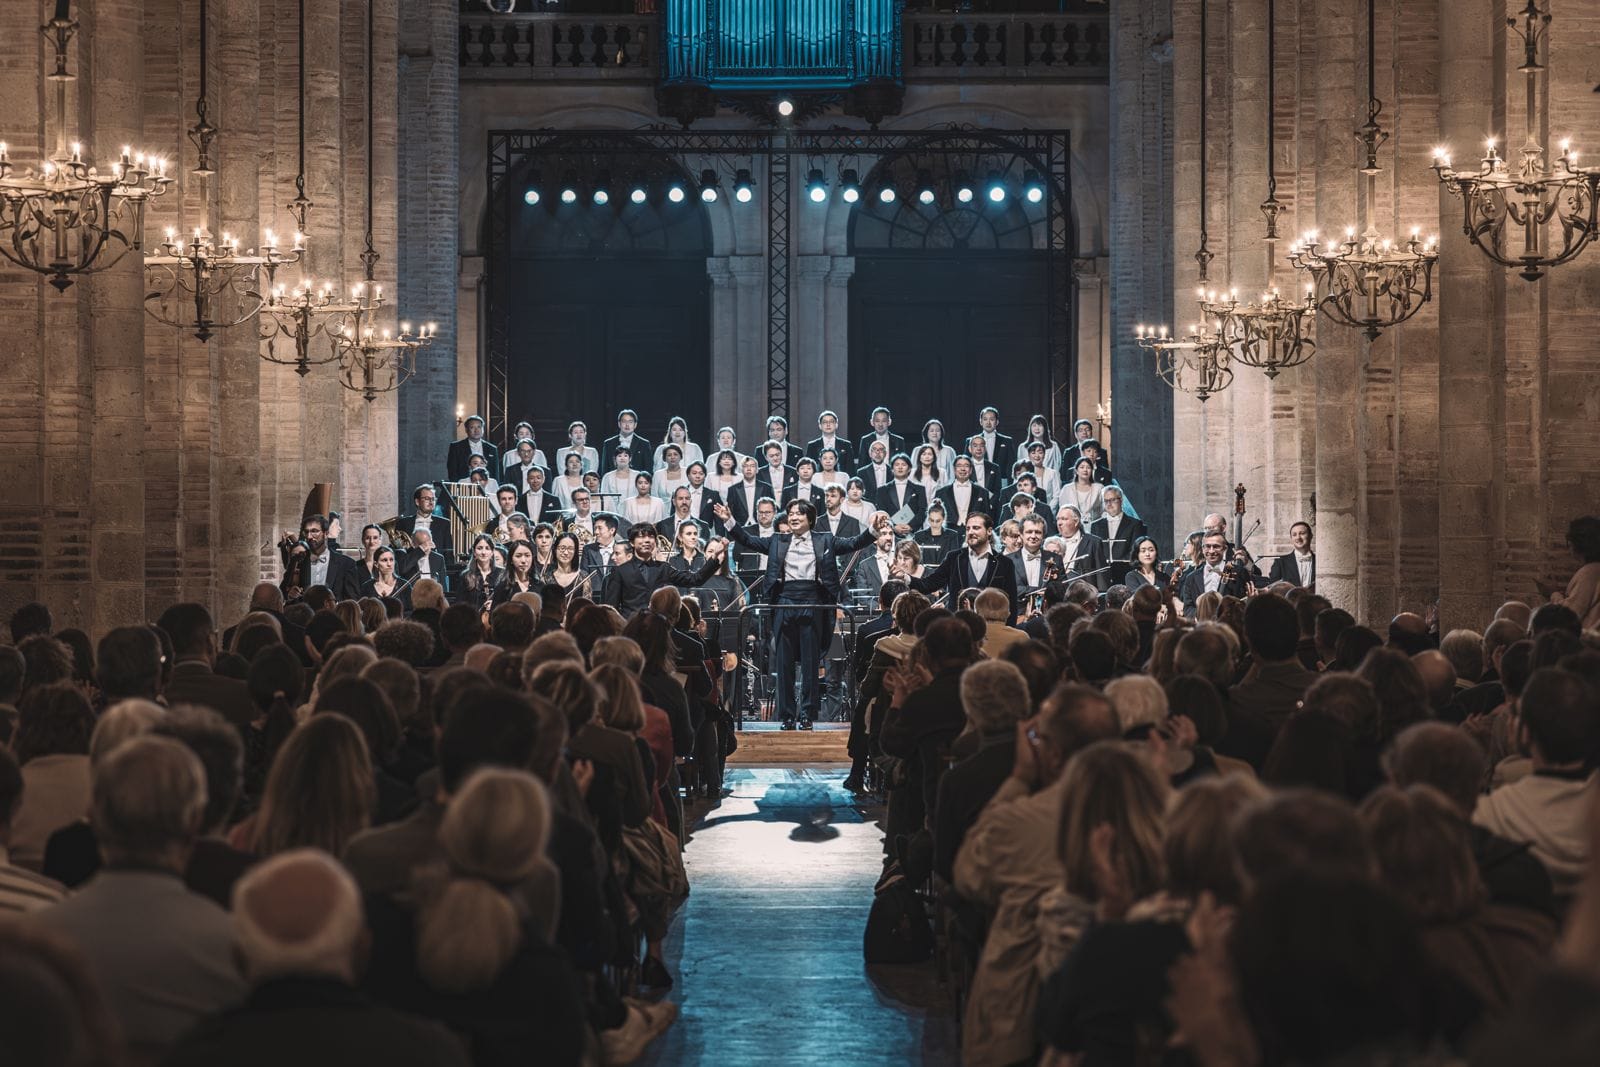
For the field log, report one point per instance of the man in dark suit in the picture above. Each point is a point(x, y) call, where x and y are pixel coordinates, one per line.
point(828, 424)
point(516, 474)
point(1082, 431)
point(1084, 553)
point(874, 474)
point(627, 421)
point(963, 496)
point(1036, 567)
point(597, 553)
point(320, 565)
point(985, 471)
point(630, 585)
point(832, 519)
point(668, 527)
point(1001, 450)
point(977, 566)
point(1118, 530)
point(742, 496)
point(456, 463)
point(1300, 566)
point(893, 443)
point(873, 570)
point(702, 498)
point(776, 476)
point(426, 518)
point(1212, 576)
point(805, 486)
point(422, 561)
point(194, 651)
point(802, 583)
point(902, 493)
point(778, 430)
point(538, 503)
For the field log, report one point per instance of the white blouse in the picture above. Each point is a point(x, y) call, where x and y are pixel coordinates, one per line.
point(1088, 501)
point(691, 454)
point(644, 509)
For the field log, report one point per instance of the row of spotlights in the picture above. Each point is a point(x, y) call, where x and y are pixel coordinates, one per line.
point(994, 189)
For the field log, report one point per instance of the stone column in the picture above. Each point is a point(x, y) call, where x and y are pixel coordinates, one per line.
point(808, 335)
point(744, 408)
point(835, 365)
point(724, 340)
point(1339, 361)
point(1141, 243)
point(237, 468)
point(1471, 298)
point(470, 280)
point(1094, 367)
point(111, 45)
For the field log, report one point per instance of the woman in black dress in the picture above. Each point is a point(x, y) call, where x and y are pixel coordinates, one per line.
point(519, 576)
point(484, 573)
point(384, 582)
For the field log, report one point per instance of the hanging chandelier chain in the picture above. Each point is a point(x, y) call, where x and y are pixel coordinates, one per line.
point(300, 205)
point(1203, 256)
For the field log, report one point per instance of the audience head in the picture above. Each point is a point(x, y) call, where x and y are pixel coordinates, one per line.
point(1349, 699)
point(1122, 632)
point(53, 720)
point(1402, 695)
point(1515, 611)
point(1441, 756)
point(1197, 850)
point(1464, 649)
point(621, 707)
point(1555, 617)
point(1331, 624)
point(427, 595)
point(1423, 850)
point(12, 670)
point(993, 606)
point(1557, 716)
point(1073, 717)
point(1353, 645)
point(1138, 700)
point(511, 626)
point(1039, 666)
point(994, 695)
point(194, 635)
point(460, 628)
point(1438, 677)
point(949, 645)
point(494, 729)
point(1111, 784)
point(1299, 832)
point(1094, 658)
point(1307, 607)
point(319, 792)
point(149, 799)
point(1272, 628)
point(45, 661)
point(1408, 633)
point(216, 744)
point(30, 620)
point(1497, 637)
point(564, 684)
point(298, 914)
point(1206, 652)
point(122, 722)
point(365, 704)
point(52, 1012)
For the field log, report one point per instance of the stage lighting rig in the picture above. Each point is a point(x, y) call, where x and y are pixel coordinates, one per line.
point(743, 188)
point(816, 186)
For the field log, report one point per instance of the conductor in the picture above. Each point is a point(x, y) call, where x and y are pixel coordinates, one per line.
point(802, 583)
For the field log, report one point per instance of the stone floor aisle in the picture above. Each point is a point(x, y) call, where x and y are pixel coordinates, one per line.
point(767, 949)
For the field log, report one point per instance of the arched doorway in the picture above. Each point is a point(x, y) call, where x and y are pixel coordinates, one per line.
point(951, 303)
point(607, 305)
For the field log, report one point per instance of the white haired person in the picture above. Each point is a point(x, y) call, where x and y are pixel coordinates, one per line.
point(301, 939)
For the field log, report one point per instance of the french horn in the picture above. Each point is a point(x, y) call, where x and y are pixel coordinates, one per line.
point(399, 538)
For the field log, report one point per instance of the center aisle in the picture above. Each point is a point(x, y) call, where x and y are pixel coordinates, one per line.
point(767, 949)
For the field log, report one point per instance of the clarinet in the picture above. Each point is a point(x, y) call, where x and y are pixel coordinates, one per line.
point(751, 697)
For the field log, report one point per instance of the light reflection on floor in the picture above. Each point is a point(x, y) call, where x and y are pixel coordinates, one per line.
point(767, 949)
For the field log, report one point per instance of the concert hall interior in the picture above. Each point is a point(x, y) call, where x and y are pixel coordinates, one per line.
point(980, 532)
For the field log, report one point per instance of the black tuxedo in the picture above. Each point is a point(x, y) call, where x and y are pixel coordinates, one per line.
point(887, 499)
point(1194, 585)
point(407, 565)
point(438, 526)
point(866, 577)
point(668, 528)
point(849, 525)
point(869, 479)
point(1047, 560)
point(1129, 530)
point(516, 476)
point(597, 557)
point(1004, 453)
point(845, 450)
point(343, 578)
point(897, 444)
point(740, 505)
point(955, 574)
point(1286, 569)
point(764, 479)
point(549, 507)
point(458, 459)
point(981, 502)
point(817, 498)
point(803, 632)
point(1091, 556)
point(949, 540)
point(639, 446)
point(991, 480)
point(709, 499)
point(629, 587)
point(792, 453)
point(1070, 455)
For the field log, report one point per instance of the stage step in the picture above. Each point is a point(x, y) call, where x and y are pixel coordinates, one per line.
point(763, 744)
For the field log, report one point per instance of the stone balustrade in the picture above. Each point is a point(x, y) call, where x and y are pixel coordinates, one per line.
point(558, 47)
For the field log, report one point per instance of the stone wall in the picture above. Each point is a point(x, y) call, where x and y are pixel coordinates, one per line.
point(1443, 461)
point(146, 466)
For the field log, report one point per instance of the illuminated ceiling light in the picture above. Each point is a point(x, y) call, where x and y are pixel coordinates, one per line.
point(925, 192)
point(708, 186)
point(1033, 187)
point(886, 195)
point(530, 197)
point(675, 193)
point(997, 188)
point(638, 194)
point(963, 186)
point(786, 107)
point(569, 191)
point(850, 186)
point(602, 188)
point(743, 188)
point(816, 186)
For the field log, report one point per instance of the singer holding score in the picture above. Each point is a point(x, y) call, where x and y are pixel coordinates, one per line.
point(802, 586)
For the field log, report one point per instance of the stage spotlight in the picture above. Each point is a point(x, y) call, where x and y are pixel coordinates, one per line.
point(639, 194)
point(743, 188)
point(602, 189)
point(569, 192)
point(708, 186)
point(925, 192)
point(1033, 187)
point(963, 187)
point(886, 195)
point(997, 187)
point(675, 193)
point(531, 196)
point(786, 107)
point(816, 186)
point(850, 186)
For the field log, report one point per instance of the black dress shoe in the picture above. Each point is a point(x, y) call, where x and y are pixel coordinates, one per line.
point(805, 724)
point(654, 975)
point(788, 724)
point(854, 785)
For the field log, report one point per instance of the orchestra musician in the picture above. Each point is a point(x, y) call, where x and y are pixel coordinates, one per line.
point(1118, 530)
point(544, 555)
point(580, 516)
point(1213, 575)
point(371, 540)
point(484, 572)
point(384, 581)
point(870, 572)
point(578, 445)
point(881, 421)
point(631, 583)
point(1298, 567)
point(519, 576)
point(963, 495)
point(566, 571)
point(627, 422)
point(500, 526)
point(1035, 566)
point(597, 553)
point(313, 561)
point(422, 560)
point(1147, 568)
point(687, 559)
point(425, 519)
point(802, 583)
point(456, 462)
point(828, 438)
point(1082, 553)
point(901, 493)
point(936, 534)
point(977, 567)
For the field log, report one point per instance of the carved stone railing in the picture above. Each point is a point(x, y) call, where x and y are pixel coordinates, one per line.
point(972, 47)
point(558, 47)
